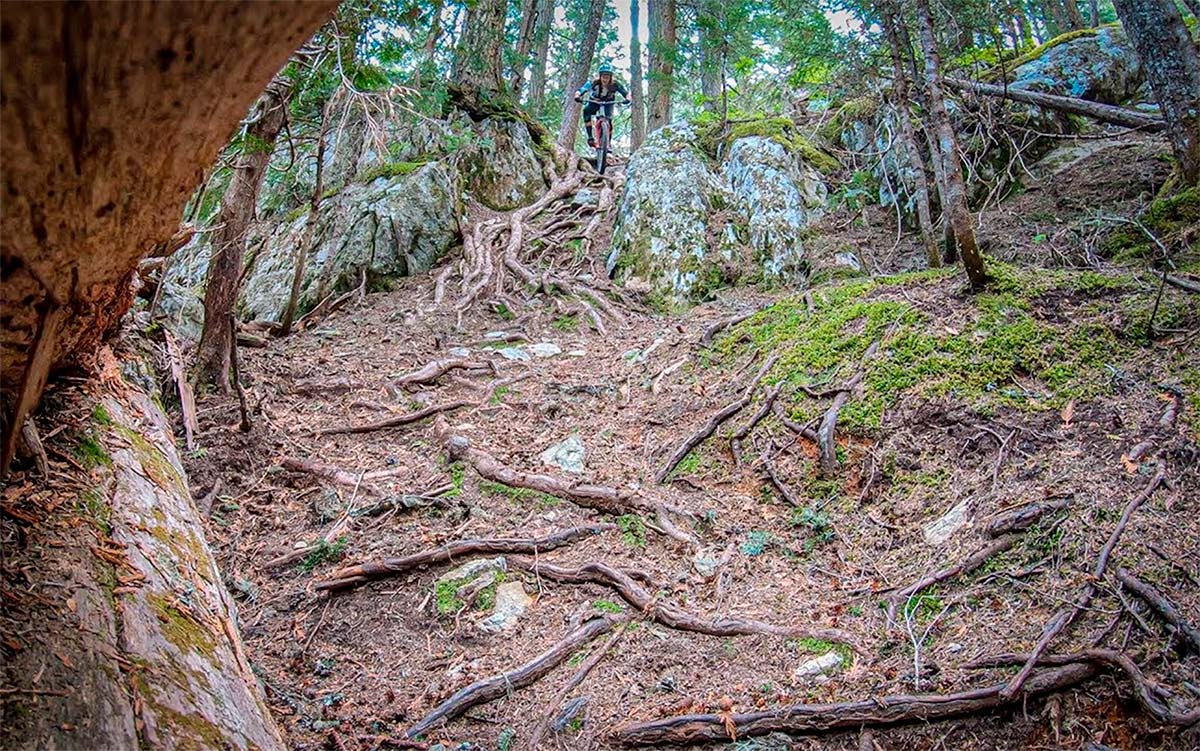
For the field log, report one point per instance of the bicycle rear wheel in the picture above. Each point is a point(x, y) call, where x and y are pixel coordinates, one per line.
point(602, 143)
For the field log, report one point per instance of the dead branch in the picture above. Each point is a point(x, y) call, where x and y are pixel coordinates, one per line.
point(32, 443)
point(966, 565)
point(802, 430)
point(825, 434)
point(235, 374)
point(715, 421)
point(1105, 113)
point(314, 386)
point(352, 576)
point(332, 473)
point(1111, 658)
point(726, 323)
point(1161, 605)
point(1064, 617)
point(436, 370)
point(811, 719)
point(539, 730)
point(1023, 517)
point(1182, 283)
point(496, 686)
point(735, 442)
point(397, 421)
point(670, 615)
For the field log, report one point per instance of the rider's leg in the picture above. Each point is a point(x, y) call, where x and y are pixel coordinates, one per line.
point(589, 110)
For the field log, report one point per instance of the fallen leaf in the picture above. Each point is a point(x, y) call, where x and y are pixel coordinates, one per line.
point(1067, 413)
point(1130, 466)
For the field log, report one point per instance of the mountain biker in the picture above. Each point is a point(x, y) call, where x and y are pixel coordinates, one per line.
point(603, 89)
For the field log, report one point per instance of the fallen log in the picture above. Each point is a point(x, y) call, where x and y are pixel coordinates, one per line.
point(1105, 113)
point(807, 719)
point(496, 686)
point(713, 422)
point(1066, 616)
point(1161, 605)
point(669, 615)
point(352, 576)
point(1023, 517)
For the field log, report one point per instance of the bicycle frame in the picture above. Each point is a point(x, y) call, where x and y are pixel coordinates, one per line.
point(602, 130)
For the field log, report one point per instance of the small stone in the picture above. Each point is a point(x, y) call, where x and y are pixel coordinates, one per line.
point(300, 545)
point(848, 260)
point(705, 563)
point(954, 647)
point(511, 603)
point(577, 353)
point(474, 569)
point(828, 662)
point(459, 352)
point(513, 353)
point(545, 349)
point(568, 455)
point(940, 530)
point(495, 335)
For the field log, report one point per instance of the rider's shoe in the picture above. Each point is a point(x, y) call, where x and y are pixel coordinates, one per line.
point(591, 142)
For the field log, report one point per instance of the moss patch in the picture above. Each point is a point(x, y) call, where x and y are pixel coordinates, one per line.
point(389, 170)
point(181, 629)
point(715, 140)
point(1041, 49)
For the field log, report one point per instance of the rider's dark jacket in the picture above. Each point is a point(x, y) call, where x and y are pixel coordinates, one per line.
point(598, 92)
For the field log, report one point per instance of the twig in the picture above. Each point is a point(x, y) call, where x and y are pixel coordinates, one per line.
point(352, 576)
point(825, 434)
point(714, 422)
point(1065, 617)
point(966, 565)
point(397, 421)
point(735, 441)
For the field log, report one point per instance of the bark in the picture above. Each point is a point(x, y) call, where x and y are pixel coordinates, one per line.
point(580, 71)
point(1172, 66)
point(111, 113)
point(955, 208)
point(1106, 113)
point(637, 115)
point(662, 62)
point(300, 256)
point(529, 20)
point(537, 77)
point(435, 31)
point(1074, 17)
point(232, 224)
point(908, 135)
point(710, 56)
point(477, 64)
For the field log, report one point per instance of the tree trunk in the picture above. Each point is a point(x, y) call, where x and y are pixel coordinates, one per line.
point(537, 78)
point(1093, 13)
point(529, 20)
point(710, 55)
point(580, 71)
point(435, 31)
point(887, 14)
point(1074, 17)
point(662, 62)
point(300, 252)
point(1172, 67)
point(637, 117)
point(110, 115)
point(477, 61)
point(956, 194)
point(232, 224)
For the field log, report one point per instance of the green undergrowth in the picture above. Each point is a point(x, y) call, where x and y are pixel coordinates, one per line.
point(518, 495)
point(1165, 218)
point(714, 137)
point(1035, 340)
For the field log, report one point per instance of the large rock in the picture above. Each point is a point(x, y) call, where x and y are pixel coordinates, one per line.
point(778, 196)
point(1096, 64)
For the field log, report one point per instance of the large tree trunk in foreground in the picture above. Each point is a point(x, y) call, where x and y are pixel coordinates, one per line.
point(662, 62)
point(477, 61)
point(888, 13)
point(580, 71)
point(955, 207)
point(637, 118)
point(541, 54)
point(1172, 66)
point(138, 647)
point(232, 224)
point(111, 113)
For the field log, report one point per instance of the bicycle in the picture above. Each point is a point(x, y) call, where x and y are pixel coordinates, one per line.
point(602, 130)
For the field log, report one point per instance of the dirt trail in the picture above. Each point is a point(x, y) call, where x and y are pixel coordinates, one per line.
point(368, 663)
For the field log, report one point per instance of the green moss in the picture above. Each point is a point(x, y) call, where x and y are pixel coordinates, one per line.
point(324, 552)
point(486, 599)
point(1041, 49)
point(607, 606)
point(518, 495)
point(189, 732)
point(812, 646)
point(851, 110)
point(91, 453)
point(445, 597)
point(388, 170)
point(181, 629)
point(566, 323)
point(633, 530)
point(154, 462)
point(715, 140)
point(100, 416)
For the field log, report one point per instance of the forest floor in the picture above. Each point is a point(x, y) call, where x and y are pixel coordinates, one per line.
point(1052, 390)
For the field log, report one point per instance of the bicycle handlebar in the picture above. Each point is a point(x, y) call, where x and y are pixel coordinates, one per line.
point(589, 100)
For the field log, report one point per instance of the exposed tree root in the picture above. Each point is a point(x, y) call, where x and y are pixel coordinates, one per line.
point(825, 433)
point(669, 615)
point(823, 718)
point(1023, 517)
point(735, 442)
point(398, 420)
point(436, 370)
point(496, 686)
point(714, 422)
point(352, 576)
point(539, 730)
point(1066, 616)
point(1161, 605)
point(332, 473)
point(1147, 693)
point(726, 323)
point(966, 565)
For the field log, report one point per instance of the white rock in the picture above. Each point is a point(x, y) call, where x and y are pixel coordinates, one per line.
point(513, 353)
point(942, 529)
point(568, 455)
point(826, 663)
point(545, 349)
point(458, 352)
point(511, 603)
point(473, 569)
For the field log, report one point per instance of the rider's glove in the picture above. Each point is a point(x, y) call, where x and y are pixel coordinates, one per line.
point(578, 98)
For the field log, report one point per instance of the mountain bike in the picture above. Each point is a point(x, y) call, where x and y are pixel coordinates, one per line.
point(602, 130)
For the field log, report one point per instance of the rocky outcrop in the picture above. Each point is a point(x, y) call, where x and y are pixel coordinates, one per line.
point(138, 647)
point(687, 226)
point(1095, 64)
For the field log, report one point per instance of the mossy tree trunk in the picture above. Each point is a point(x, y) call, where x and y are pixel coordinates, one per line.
point(662, 62)
point(232, 224)
point(529, 19)
point(955, 206)
point(1172, 66)
point(477, 59)
point(637, 117)
point(580, 71)
point(888, 12)
point(111, 113)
